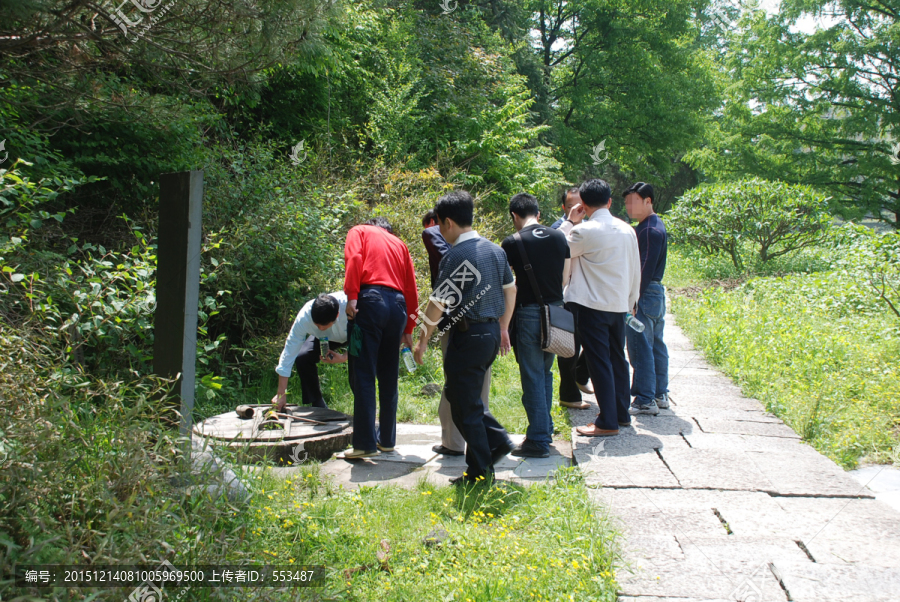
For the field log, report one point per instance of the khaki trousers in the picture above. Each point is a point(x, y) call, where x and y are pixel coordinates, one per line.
point(451, 438)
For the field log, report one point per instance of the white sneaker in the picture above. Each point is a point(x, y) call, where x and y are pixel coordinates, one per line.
point(662, 402)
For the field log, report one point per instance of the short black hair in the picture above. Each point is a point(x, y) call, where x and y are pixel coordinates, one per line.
point(429, 217)
point(524, 205)
point(565, 194)
point(324, 309)
point(458, 206)
point(381, 222)
point(643, 189)
point(595, 192)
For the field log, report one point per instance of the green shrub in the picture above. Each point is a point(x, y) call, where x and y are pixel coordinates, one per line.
point(773, 218)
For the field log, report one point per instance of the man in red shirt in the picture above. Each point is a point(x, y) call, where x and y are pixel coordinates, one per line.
point(382, 299)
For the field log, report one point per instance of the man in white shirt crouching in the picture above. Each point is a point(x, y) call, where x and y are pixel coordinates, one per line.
point(319, 318)
point(604, 285)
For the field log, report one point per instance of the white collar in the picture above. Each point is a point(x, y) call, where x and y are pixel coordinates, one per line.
point(466, 236)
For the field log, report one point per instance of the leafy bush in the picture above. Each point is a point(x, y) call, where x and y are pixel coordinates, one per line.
point(773, 218)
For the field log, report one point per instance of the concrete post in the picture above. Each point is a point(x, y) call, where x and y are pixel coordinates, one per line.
point(178, 287)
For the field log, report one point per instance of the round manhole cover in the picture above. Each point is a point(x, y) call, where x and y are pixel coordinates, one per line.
point(230, 427)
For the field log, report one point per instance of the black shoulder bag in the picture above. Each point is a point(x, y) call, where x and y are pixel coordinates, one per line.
point(557, 323)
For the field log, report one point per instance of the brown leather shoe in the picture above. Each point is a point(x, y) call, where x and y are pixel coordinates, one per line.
point(591, 430)
point(577, 405)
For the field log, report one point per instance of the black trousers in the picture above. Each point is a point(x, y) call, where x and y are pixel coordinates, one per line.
point(469, 356)
point(306, 365)
point(603, 337)
point(573, 369)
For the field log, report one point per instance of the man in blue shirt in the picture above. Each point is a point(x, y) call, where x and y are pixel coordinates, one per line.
point(319, 318)
point(477, 288)
point(452, 442)
point(647, 351)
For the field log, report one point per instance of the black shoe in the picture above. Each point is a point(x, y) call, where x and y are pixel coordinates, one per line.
point(445, 451)
point(320, 404)
point(528, 450)
point(498, 453)
point(462, 480)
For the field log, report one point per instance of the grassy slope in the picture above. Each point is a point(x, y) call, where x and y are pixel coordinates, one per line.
point(809, 344)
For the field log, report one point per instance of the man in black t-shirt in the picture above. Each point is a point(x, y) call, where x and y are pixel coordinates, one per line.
point(547, 251)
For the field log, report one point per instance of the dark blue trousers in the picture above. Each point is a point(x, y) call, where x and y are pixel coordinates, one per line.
point(469, 356)
point(374, 353)
point(572, 370)
point(602, 335)
point(307, 367)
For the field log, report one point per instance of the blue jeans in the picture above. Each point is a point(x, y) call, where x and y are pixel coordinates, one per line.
point(537, 380)
point(647, 352)
point(374, 352)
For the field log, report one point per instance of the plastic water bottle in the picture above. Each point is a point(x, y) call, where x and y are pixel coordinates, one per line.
point(408, 360)
point(634, 322)
point(323, 347)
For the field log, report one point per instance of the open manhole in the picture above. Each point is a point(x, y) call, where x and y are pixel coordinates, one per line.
point(301, 432)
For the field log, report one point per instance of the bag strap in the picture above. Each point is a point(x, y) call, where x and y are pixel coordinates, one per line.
point(527, 266)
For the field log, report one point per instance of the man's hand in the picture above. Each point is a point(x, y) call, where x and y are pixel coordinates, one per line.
point(406, 341)
point(419, 351)
point(351, 309)
point(504, 342)
point(334, 358)
point(577, 213)
point(280, 402)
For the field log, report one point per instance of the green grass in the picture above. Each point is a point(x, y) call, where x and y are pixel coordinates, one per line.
point(503, 542)
point(88, 474)
point(817, 348)
point(412, 407)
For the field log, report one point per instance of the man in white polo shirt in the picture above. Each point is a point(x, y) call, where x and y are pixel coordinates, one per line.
point(319, 318)
point(604, 286)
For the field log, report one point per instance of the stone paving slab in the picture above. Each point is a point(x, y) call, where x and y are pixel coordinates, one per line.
point(714, 469)
point(805, 472)
point(840, 531)
point(736, 427)
point(641, 470)
point(700, 440)
point(691, 395)
point(699, 579)
point(808, 582)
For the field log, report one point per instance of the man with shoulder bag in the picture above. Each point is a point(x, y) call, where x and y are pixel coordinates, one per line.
point(539, 257)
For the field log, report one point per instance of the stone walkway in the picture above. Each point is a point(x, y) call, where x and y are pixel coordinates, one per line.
point(720, 501)
point(412, 461)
